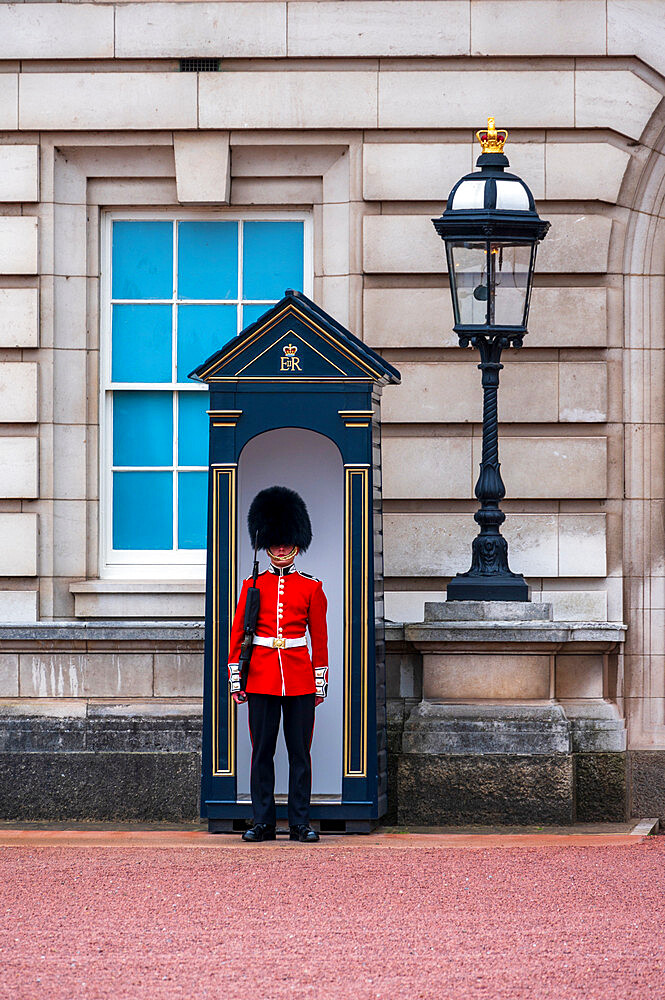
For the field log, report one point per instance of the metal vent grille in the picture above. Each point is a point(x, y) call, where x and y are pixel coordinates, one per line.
point(199, 65)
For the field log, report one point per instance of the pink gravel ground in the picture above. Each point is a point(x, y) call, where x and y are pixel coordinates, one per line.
point(334, 921)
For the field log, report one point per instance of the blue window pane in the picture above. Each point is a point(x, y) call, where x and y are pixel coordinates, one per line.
point(250, 314)
point(192, 509)
point(208, 260)
point(142, 428)
point(193, 428)
point(142, 510)
point(272, 259)
point(142, 260)
point(141, 350)
point(202, 330)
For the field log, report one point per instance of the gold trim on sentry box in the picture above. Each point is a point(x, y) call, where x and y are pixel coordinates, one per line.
point(351, 473)
point(290, 308)
point(356, 418)
point(290, 333)
point(229, 472)
point(224, 418)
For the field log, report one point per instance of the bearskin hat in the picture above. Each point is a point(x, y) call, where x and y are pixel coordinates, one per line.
point(278, 516)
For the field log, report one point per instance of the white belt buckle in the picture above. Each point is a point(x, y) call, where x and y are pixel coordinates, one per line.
point(279, 644)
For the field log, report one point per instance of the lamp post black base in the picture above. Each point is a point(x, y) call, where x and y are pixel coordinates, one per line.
point(465, 587)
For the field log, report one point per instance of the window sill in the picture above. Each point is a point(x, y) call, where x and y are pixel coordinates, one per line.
point(173, 599)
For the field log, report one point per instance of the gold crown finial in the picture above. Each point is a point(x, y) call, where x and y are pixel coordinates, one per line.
point(492, 139)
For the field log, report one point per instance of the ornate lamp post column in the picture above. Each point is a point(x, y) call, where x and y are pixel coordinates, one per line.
point(491, 230)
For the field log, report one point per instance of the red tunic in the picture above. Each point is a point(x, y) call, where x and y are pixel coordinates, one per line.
point(290, 603)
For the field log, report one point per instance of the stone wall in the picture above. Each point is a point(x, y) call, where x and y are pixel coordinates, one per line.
point(365, 119)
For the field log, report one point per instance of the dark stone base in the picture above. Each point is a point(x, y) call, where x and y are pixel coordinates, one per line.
point(647, 784)
point(451, 789)
point(600, 787)
point(100, 786)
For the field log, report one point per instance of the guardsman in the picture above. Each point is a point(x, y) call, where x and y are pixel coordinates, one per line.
point(283, 679)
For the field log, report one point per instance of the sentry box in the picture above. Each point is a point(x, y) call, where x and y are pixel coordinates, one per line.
point(295, 401)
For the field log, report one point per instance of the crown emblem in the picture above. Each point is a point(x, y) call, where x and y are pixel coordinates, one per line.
point(491, 138)
point(290, 350)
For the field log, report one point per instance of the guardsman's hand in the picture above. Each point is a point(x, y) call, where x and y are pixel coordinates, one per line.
point(317, 701)
point(239, 697)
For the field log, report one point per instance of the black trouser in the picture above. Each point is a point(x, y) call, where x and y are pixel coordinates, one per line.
point(265, 711)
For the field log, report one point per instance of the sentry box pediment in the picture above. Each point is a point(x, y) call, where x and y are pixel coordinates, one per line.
point(297, 341)
point(295, 400)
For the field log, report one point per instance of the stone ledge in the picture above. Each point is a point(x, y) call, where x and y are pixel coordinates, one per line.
point(394, 632)
point(103, 630)
point(131, 599)
point(434, 728)
point(516, 729)
point(492, 611)
point(554, 636)
point(138, 728)
point(595, 726)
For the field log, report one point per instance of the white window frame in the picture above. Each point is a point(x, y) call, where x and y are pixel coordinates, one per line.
point(176, 564)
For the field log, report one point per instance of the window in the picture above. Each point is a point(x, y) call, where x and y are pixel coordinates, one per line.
point(175, 290)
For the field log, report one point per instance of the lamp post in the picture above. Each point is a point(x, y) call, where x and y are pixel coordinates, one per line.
point(491, 230)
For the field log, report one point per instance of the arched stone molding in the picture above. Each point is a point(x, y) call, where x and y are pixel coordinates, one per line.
point(643, 690)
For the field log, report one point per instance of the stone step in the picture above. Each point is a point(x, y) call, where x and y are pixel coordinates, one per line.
point(503, 611)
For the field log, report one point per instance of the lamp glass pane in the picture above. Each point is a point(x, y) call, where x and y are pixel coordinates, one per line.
point(511, 196)
point(469, 262)
point(510, 273)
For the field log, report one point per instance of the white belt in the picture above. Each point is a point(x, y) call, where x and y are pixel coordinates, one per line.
point(264, 640)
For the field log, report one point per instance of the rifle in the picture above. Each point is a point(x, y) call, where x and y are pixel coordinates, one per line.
point(249, 625)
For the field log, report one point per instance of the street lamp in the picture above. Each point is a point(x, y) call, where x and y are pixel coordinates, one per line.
point(491, 230)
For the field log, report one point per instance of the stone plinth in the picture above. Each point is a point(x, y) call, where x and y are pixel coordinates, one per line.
point(516, 714)
point(477, 651)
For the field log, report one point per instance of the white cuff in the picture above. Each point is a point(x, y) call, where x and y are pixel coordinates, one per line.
point(321, 678)
point(234, 678)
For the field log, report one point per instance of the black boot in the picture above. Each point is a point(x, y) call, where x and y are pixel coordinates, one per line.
point(304, 834)
point(259, 832)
